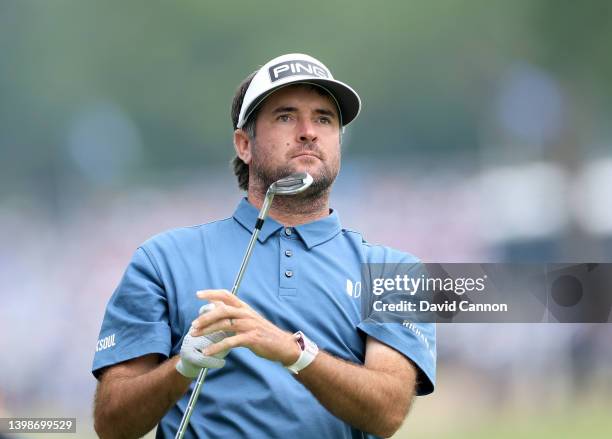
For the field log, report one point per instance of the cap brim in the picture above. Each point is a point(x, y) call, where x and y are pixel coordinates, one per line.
point(347, 99)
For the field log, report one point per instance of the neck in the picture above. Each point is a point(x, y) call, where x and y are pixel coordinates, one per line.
point(292, 210)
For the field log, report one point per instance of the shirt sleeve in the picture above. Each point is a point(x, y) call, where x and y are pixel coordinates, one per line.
point(415, 339)
point(136, 319)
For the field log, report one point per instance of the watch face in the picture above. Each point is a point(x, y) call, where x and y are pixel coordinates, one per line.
point(300, 341)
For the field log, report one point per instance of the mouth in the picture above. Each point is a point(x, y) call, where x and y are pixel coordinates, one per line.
point(307, 154)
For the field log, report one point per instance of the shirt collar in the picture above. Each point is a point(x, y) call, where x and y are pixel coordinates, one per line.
point(313, 233)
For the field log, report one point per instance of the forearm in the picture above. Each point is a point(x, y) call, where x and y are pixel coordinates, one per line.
point(370, 400)
point(130, 406)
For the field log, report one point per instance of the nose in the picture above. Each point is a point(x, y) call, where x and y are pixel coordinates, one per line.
point(306, 131)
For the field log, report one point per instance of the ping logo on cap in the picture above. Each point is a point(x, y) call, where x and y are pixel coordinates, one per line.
point(296, 67)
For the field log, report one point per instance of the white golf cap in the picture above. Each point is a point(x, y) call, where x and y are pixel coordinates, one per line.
point(298, 68)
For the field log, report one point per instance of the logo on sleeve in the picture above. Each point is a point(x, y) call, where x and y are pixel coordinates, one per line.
point(105, 343)
point(295, 68)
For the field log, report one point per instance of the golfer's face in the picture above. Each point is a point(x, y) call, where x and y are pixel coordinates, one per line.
point(298, 130)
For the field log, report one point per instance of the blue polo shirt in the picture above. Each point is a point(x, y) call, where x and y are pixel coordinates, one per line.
point(300, 278)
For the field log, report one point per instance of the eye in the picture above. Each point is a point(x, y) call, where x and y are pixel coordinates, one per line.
point(284, 117)
point(325, 120)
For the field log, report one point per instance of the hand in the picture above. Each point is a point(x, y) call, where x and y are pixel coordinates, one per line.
point(250, 329)
point(192, 359)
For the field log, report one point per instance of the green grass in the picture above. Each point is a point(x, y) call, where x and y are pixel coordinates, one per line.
point(588, 423)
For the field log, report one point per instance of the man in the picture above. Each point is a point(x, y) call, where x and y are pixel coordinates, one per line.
point(288, 117)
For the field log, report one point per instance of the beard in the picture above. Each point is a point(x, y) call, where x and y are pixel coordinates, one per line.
point(265, 174)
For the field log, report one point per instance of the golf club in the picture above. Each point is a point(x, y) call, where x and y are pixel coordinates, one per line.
point(291, 185)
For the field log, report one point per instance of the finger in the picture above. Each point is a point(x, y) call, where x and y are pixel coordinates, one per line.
point(227, 343)
point(215, 311)
point(206, 308)
point(221, 296)
point(218, 315)
point(209, 306)
point(229, 326)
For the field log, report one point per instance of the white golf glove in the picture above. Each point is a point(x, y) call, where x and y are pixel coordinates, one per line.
point(192, 359)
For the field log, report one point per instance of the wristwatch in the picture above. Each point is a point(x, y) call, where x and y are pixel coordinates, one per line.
point(309, 351)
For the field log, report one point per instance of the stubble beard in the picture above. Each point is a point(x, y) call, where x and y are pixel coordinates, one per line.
point(309, 200)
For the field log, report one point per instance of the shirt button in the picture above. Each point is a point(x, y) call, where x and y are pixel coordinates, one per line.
point(288, 231)
point(288, 273)
point(288, 253)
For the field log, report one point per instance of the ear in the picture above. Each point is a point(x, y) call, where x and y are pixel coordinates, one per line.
point(242, 144)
